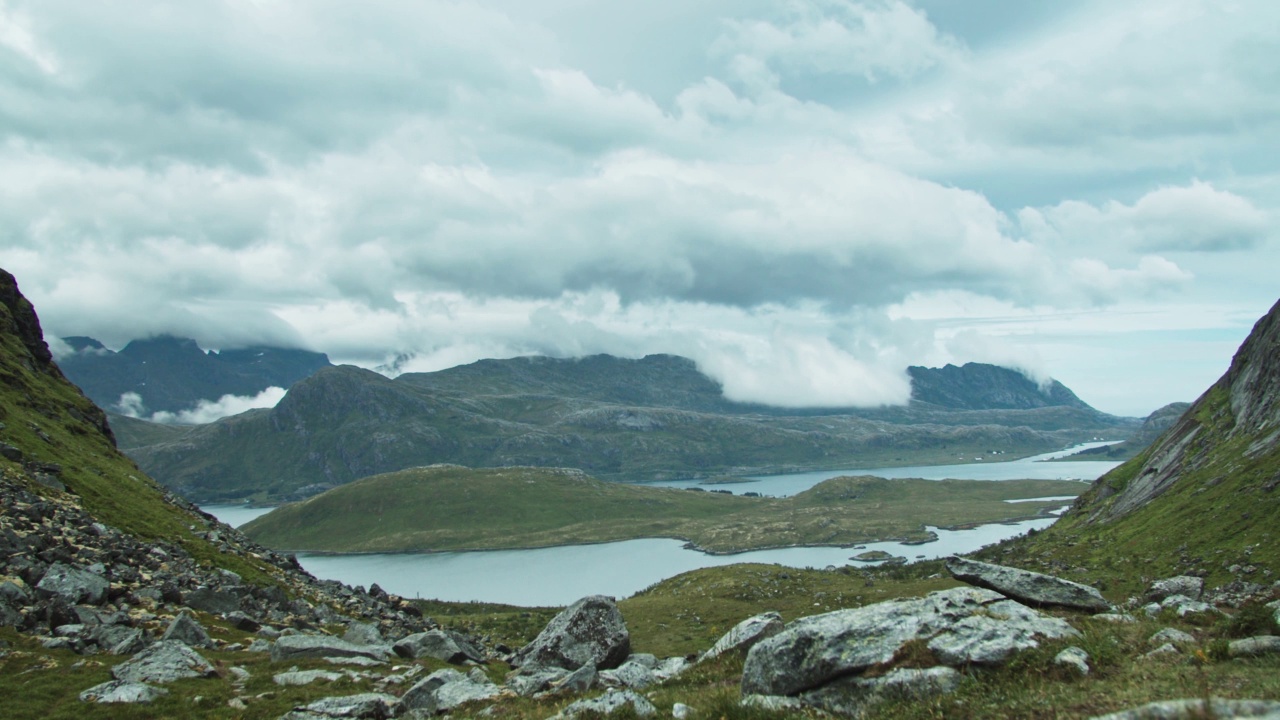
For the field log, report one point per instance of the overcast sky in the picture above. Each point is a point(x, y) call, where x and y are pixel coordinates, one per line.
point(805, 196)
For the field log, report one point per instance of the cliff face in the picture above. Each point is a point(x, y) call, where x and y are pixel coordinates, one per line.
point(1238, 418)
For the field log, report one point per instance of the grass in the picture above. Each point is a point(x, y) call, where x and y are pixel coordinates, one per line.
point(455, 508)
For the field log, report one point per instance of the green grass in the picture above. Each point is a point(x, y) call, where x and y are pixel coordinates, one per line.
point(454, 508)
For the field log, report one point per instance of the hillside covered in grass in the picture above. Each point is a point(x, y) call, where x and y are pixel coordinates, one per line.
point(457, 508)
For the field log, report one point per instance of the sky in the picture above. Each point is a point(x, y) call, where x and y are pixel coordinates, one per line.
point(804, 196)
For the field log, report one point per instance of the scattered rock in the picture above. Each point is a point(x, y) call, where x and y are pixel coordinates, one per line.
point(1186, 585)
point(630, 674)
point(590, 631)
point(1194, 709)
point(164, 662)
point(439, 644)
point(370, 706)
point(745, 634)
point(446, 689)
point(855, 696)
point(1031, 588)
point(536, 681)
point(1253, 646)
point(1171, 635)
point(304, 677)
point(185, 629)
point(359, 633)
point(580, 680)
point(609, 703)
point(680, 711)
point(1165, 649)
point(73, 585)
point(120, 691)
point(290, 647)
point(1075, 658)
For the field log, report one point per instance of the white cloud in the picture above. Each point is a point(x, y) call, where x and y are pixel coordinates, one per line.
point(205, 411)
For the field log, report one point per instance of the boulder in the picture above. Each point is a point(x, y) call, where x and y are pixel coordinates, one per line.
point(1075, 658)
point(539, 680)
point(966, 625)
point(1186, 585)
point(1194, 709)
point(590, 631)
point(359, 633)
point(185, 629)
point(446, 689)
point(609, 703)
point(1171, 635)
point(439, 644)
point(1253, 646)
point(304, 677)
point(290, 647)
point(366, 706)
point(745, 634)
point(119, 691)
point(119, 639)
point(214, 602)
point(163, 662)
point(855, 696)
point(73, 585)
point(1031, 588)
point(630, 674)
point(580, 680)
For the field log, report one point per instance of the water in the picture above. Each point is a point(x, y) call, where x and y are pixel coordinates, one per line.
point(560, 575)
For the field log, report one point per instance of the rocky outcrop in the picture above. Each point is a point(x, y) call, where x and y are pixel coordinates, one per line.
point(1031, 588)
point(444, 690)
point(439, 644)
point(164, 662)
point(609, 703)
point(293, 647)
point(589, 632)
point(744, 635)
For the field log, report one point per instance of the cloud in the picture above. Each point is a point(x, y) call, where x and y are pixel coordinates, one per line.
point(206, 411)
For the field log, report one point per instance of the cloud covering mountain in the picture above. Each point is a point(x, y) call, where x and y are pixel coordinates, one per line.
point(804, 196)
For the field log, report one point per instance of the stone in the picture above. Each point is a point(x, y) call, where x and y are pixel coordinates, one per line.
point(359, 633)
point(241, 621)
point(371, 706)
point(631, 674)
point(304, 677)
point(119, 639)
point(1075, 658)
point(1118, 618)
point(772, 703)
point(1031, 588)
point(1253, 646)
point(290, 647)
point(214, 602)
point(580, 680)
point(967, 625)
point(1194, 709)
point(590, 631)
point(446, 689)
point(185, 629)
point(1185, 585)
point(1184, 606)
point(855, 696)
point(1171, 635)
point(1165, 649)
point(745, 634)
point(73, 585)
point(536, 681)
point(163, 662)
point(439, 644)
point(609, 703)
point(680, 711)
point(119, 691)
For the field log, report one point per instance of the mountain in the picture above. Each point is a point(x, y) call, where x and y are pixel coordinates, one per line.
point(172, 374)
point(978, 386)
point(1151, 429)
point(617, 419)
point(1203, 499)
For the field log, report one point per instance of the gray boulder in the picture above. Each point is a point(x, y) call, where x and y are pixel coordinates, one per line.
point(290, 647)
point(214, 602)
point(439, 644)
point(73, 585)
point(536, 681)
point(590, 631)
point(1186, 585)
point(119, 691)
point(630, 674)
point(580, 680)
point(1253, 646)
point(1193, 709)
point(609, 703)
point(1075, 658)
point(1171, 635)
point(164, 662)
point(119, 639)
point(1031, 588)
point(855, 696)
point(444, 690)
point(745, 634)
point(304, 677)
point(359, 633)
point(967, 625)
point(185, 629)
point(366, 706)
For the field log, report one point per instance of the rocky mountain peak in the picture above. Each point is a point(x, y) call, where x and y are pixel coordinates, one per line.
point(24, 323)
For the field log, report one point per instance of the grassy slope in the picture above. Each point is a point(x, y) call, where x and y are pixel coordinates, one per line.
point(51, 422)
point(454, 508)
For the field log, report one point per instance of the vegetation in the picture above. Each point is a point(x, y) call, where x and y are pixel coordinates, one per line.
point(456, 508)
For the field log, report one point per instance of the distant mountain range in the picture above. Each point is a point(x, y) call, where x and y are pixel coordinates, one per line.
point(172, 374)
point(653, 418)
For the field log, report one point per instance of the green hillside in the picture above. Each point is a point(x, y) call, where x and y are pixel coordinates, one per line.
point(457, 508)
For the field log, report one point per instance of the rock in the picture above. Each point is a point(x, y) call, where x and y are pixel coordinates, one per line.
point(536, 681)
point(966, 625)
point(186, 630)
point(290, 647)
point(1031, 588)
point(240, 621)
point(73, 585)
point(631, 674)
point(1171, 635)
point(163, 662)
point(1165, 649)
point(580, 680)
point(259, 645)
point(772, 703)
point(1115, 617)
point(446, 689)
point(439, 644)
point(1193, 709)
point(1186, 585)
point(214, 602)
point(590, 631)
point(1184, 606)
point(373, 706)
point(745, 634)
point(609, 703)
point(119, 639)
point(1253, 646)
point(359, 633)
point(680, 711)
point(119, 691)
point(304, 677)
point(855, 696)
point(1075, 658)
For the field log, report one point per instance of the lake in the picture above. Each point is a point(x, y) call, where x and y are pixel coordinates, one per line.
point(560, 575)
